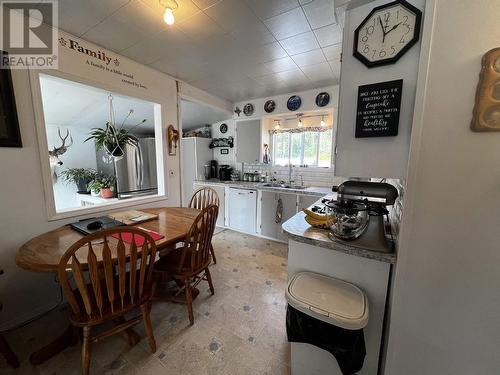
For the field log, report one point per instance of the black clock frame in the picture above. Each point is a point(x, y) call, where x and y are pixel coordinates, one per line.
point(391, 60)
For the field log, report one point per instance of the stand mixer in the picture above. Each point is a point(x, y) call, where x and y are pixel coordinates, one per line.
point(349, 215)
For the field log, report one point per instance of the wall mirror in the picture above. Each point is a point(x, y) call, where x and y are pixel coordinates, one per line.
point(103, 147)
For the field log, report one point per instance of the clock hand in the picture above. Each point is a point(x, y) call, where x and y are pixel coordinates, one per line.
point(383, 29)
point(394, 27)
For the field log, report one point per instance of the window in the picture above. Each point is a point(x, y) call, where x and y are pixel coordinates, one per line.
point(312, 147)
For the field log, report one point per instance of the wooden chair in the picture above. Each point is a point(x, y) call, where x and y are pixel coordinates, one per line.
point(117, 279)
point(189, 265)
point(5, 349)
point(201, 199)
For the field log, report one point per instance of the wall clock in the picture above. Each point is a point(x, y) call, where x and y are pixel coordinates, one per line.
point(248, 109)
point(322, 99)
point(223, 128)
point(387, 33)
point(294, 103)
point(269, 106)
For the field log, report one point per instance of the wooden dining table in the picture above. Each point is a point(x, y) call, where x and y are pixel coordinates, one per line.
point(43, 254)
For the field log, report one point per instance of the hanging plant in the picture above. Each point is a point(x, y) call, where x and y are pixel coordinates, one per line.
point(113, 139)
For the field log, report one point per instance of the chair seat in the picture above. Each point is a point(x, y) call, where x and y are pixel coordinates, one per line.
point(95, 317)
point(170, 264)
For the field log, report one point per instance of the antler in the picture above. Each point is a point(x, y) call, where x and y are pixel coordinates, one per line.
point(62, 149)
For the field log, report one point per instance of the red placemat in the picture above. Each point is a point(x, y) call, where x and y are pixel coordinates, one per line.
point(139, 240)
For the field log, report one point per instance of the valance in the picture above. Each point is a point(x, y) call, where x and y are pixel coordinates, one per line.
point(313, 129)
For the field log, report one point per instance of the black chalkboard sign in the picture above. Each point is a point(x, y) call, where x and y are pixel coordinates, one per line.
point(378, 109)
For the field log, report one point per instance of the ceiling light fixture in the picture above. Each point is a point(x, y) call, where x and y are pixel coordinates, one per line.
point(169, 6)
point(299, 123)
point(322, 123)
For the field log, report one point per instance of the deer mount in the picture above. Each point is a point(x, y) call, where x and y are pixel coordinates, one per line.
point(58, 151)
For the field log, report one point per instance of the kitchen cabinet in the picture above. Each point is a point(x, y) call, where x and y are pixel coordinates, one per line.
point(221, 192)
point(305, 201)
point(248, 141)
point(243, 210)
point(270, 224)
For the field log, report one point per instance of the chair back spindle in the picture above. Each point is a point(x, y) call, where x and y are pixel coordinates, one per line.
point(198, 241)
point(204, 197)
point(117, 275)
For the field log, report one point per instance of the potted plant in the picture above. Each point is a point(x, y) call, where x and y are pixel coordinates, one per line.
point(79, 176)
point(104, 185)
point(113, 139)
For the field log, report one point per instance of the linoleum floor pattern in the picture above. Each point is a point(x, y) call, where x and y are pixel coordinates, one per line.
point(239, 330)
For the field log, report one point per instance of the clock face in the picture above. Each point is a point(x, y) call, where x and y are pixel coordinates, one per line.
point(387, 33)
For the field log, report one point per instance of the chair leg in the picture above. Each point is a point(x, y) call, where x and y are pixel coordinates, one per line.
point(213, 253)
point(86, 351)
point(7, 352)
point(146, 310)
point(209, 279)
point(189, 300)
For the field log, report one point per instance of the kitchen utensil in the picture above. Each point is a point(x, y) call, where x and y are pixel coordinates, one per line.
point(347, 220)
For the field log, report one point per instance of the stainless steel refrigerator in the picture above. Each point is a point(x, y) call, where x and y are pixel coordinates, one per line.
point(135, 172)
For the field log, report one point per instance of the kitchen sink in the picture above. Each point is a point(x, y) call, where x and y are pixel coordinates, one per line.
point(285, 186)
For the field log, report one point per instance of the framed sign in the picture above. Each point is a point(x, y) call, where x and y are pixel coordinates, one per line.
point(9, 126)
point(378, 109)
point(224, 151)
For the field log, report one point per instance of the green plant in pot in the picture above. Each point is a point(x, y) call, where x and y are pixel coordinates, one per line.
point(104, 185)
point(111, 138)
point(80, 177)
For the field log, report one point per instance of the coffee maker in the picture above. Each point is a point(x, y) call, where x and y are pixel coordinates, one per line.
point(349, 215)
point(214, 168)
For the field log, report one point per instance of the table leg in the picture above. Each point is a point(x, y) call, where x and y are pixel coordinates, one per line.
point(67, 339)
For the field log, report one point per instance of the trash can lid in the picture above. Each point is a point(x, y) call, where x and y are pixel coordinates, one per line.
point(331, 300)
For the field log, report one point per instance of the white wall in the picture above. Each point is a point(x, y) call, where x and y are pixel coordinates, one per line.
point(229, 159)
point(446, 304)
point(308, 103)
point(22, 201)
point(355, 156)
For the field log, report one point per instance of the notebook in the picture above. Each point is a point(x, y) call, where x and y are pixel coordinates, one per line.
point(106, 223)
point(139, 240)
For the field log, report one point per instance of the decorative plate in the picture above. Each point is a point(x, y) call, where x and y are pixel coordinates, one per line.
point(322, 99)
point(270, 106)
point(223, 128)
point(248, 109)
point(294, 103)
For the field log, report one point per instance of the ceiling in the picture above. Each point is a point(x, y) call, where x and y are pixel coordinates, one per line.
point(195, 115)
point(66, 103)
point(235, 49)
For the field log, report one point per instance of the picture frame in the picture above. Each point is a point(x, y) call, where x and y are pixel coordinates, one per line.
point(224, 151)
point(10, 135)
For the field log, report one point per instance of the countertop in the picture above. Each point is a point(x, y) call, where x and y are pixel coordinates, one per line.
point(372, 244)
point(317, 191)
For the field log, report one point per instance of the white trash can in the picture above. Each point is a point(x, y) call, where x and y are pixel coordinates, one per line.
point(330, 314)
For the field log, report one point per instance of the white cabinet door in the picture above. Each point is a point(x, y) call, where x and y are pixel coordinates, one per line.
point(221, 192)
point(248, 141)
point(307, 201)
point(289, 209)
point(268, 225)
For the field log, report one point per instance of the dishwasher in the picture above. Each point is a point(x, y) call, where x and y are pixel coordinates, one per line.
point(243, 210)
